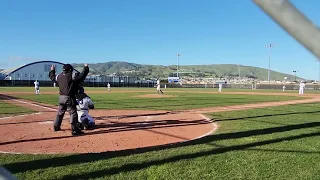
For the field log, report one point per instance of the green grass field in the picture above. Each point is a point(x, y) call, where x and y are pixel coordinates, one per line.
point(12, 110)
point(270, 143)
point(179, 101)
point(128, 98)
point(151, 89)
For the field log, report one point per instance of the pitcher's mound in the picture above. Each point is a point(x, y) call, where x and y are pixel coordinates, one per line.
point(155, 96)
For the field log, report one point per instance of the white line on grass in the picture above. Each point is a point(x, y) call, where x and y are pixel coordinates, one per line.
point(9, 117)
point(29, 103)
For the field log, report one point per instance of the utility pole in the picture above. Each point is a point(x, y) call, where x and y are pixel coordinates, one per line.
point(239, 71)
point(319, 72)
point(178, 64)
point(295, 75)
point(319, 76)
point(269, 46)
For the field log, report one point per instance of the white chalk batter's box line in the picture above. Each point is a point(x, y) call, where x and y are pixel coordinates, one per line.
point(34, 105)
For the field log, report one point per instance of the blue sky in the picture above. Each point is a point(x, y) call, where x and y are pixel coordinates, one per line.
point(151, 32)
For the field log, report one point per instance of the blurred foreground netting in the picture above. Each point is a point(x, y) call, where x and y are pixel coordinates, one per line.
point(294, 22)
point(6, 175)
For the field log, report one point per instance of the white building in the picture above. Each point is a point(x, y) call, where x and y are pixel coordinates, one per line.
point(32, 71)
point(26, 74)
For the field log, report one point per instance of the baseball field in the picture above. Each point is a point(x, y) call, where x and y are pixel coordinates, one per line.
point(182, 134)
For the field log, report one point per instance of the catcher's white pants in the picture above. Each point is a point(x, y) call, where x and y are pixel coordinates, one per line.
point(84, 114)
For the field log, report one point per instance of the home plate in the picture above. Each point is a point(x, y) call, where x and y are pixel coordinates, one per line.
point(146, 121)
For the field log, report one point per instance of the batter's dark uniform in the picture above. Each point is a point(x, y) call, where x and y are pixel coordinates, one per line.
point(68, 88)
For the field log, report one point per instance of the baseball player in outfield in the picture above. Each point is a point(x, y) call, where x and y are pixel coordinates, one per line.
point(158, 87)
point(220, 88)
point(37, 87)
point(84, 103)
point(108, 87)
point(301, 88)
point(283, 88)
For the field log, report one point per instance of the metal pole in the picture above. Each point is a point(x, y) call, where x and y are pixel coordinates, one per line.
point(178, 64)
point(294, 22)
point(269, 65)
point(319, 73)
point(239, 72)
point(295, 76)
point(269, 57)
point(319, 76)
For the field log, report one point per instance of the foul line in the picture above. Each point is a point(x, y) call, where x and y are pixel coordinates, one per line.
point(9, 117)
point(29, 103)
point(34, 104)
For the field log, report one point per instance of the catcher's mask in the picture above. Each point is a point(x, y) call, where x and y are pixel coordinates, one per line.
point(80, 90)
point(67, 68)
point(75, 74)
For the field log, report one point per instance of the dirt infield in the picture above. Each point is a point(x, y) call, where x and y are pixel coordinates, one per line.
point(116, 129)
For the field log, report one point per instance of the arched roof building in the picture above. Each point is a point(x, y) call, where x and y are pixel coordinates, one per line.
point(33, 71)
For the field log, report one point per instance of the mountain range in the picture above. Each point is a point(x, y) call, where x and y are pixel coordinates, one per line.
point(121, 68)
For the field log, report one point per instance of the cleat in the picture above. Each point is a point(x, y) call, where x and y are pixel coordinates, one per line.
point(56, 128)
point(76, 132)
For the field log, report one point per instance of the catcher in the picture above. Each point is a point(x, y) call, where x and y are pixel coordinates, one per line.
point(84, 103)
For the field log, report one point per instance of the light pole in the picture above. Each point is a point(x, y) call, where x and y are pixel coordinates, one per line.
point(295, 75)
point(269, 46)
point(178, 64)
point(319, 76)
point(319, 73)
point(239, 71)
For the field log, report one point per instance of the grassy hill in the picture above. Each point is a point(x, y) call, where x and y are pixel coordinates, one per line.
point(154, 71)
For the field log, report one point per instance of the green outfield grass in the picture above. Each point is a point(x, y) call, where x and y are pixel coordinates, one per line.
point(270, 143)
point(12, 110)
point(178, 101)
point(102, 89)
